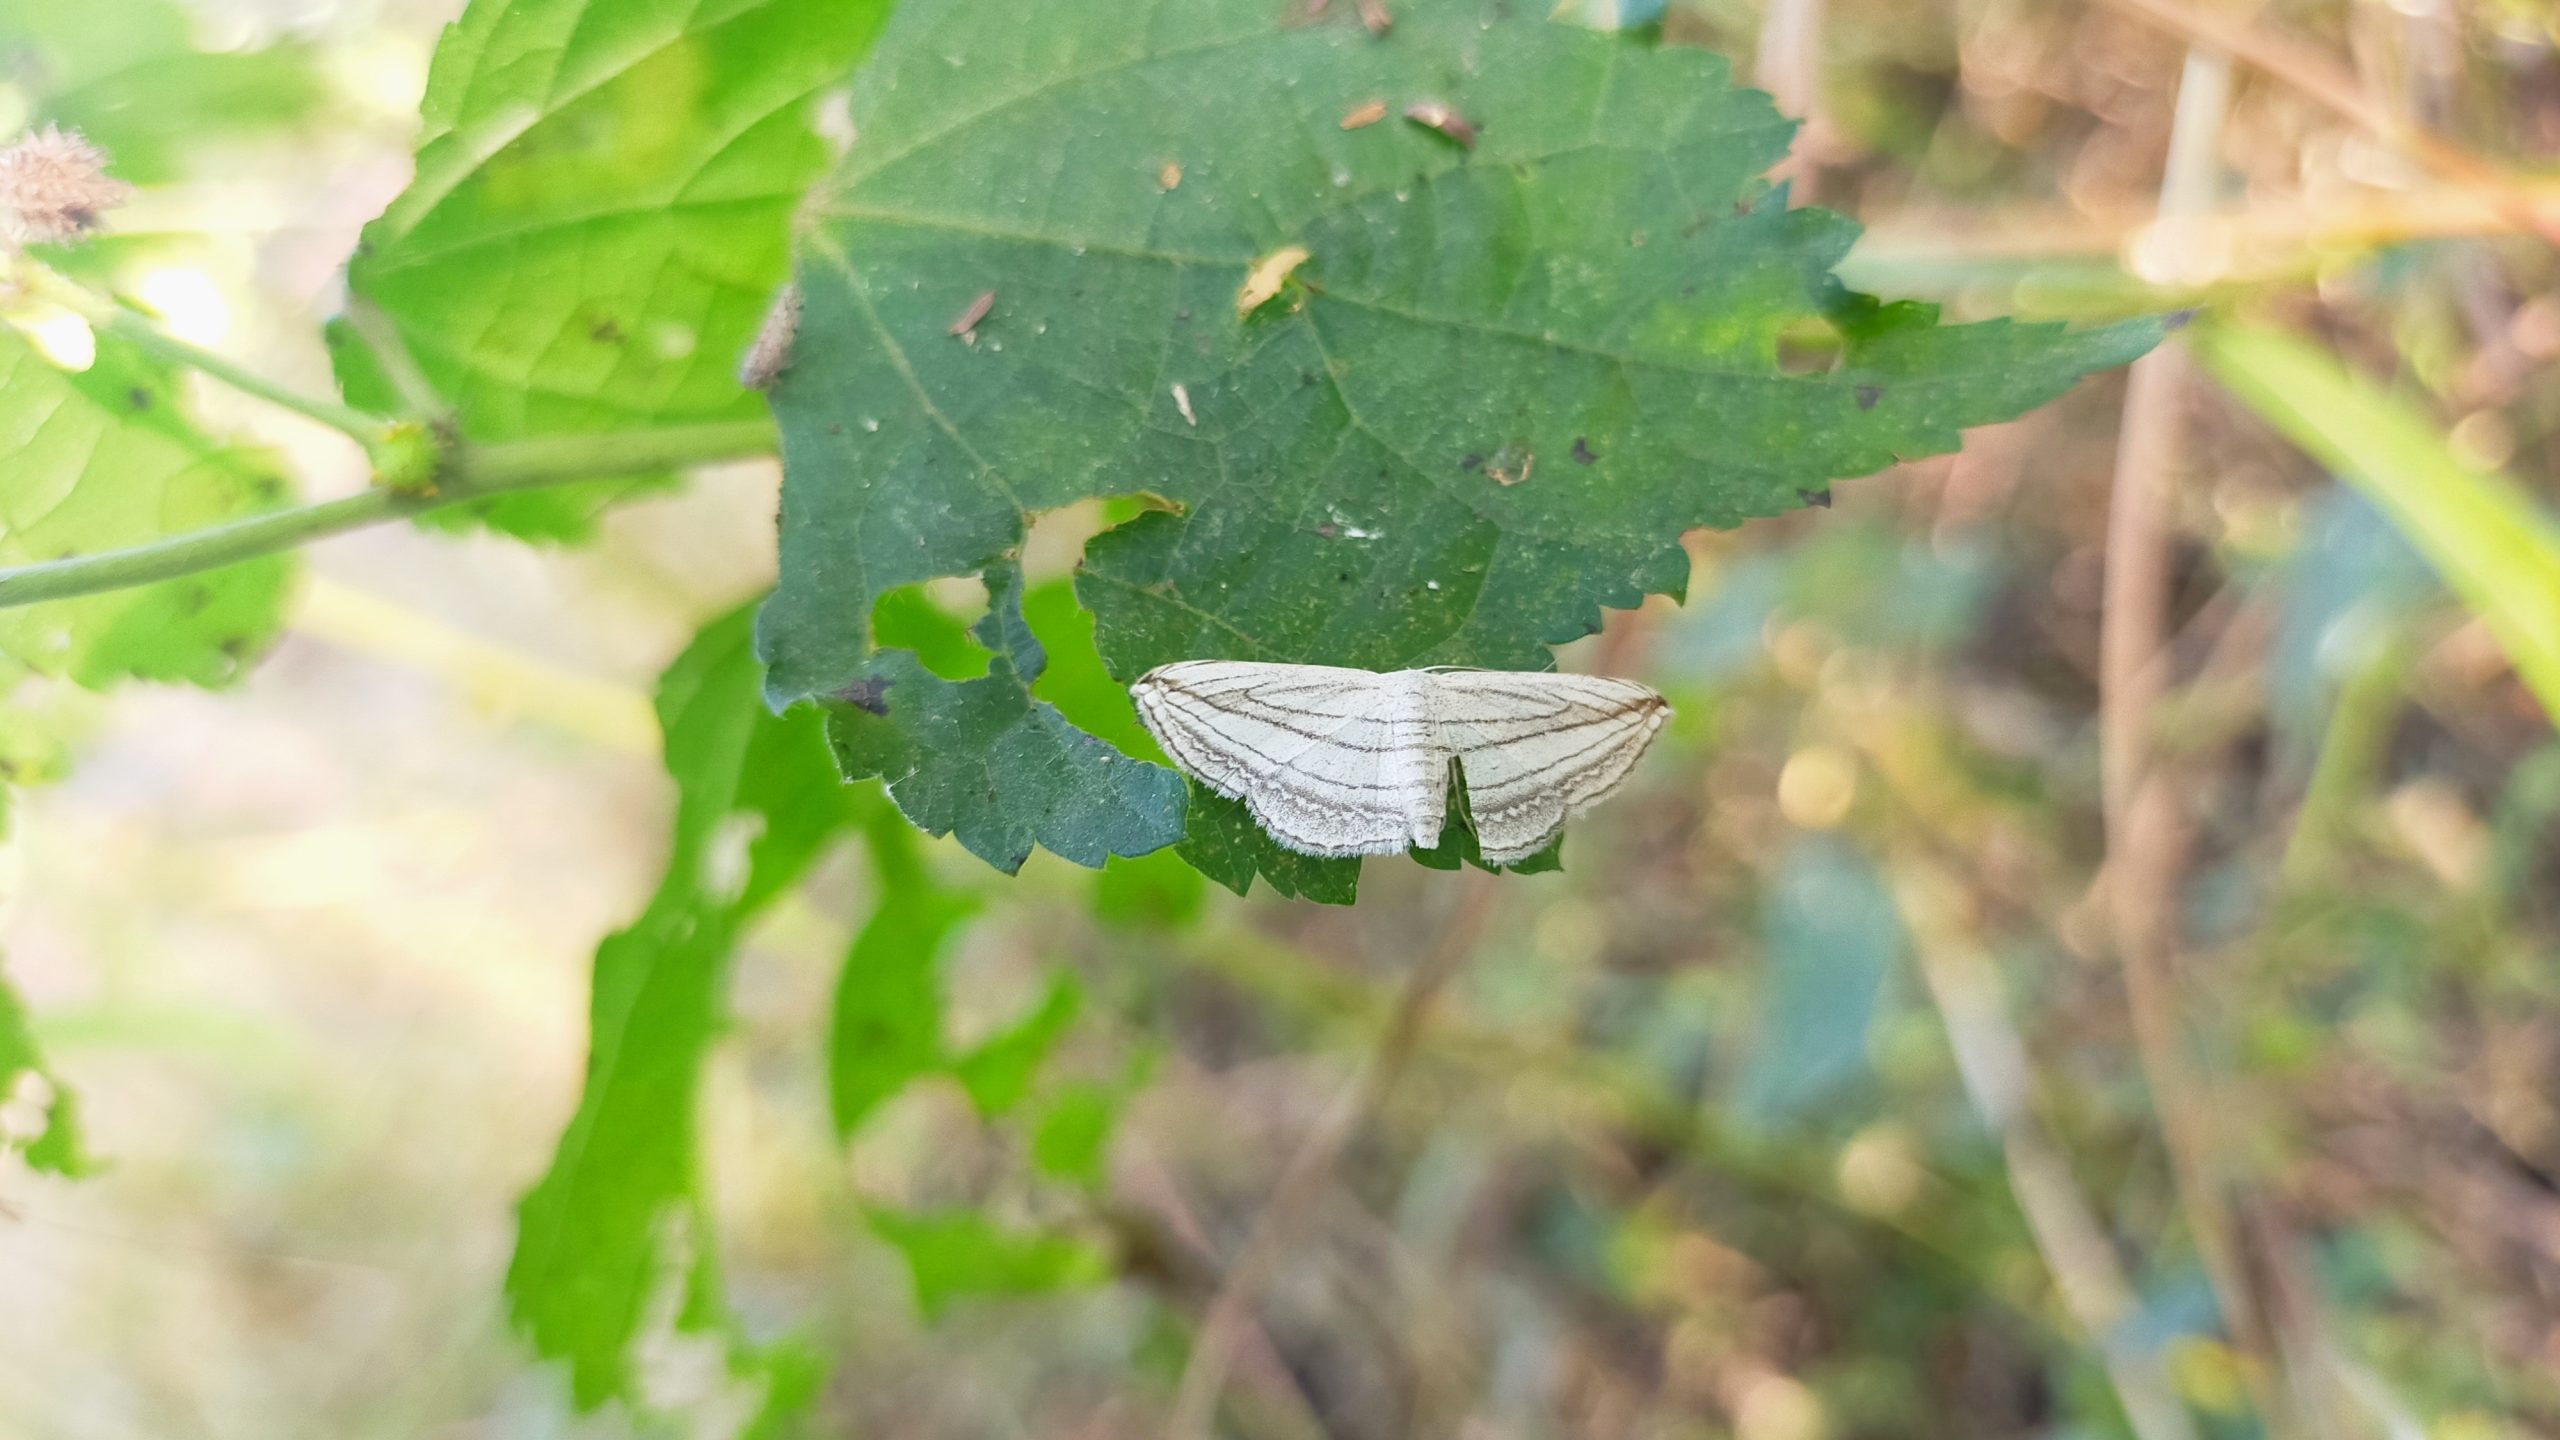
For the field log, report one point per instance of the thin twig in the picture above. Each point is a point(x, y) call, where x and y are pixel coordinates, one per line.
point(132, 327)
point(1789, 67)
point(1309, 1172)
point(381, 338)
point(1992, 1062)
point(2314, 75)
point(2146, 834)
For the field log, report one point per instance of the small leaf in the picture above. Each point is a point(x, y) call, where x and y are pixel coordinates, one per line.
point(997, 1074)
point(1073, 1130)
point(961, 1253)
point(1154, 891)
point(55, 1149)
point(597, 225)
point(1599, 290)
point(888, 1003)
point(1832, 939)
point(756, 802)
point(101, 459)
point(794, 1374)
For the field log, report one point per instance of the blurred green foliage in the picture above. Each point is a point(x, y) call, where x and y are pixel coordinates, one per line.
point(1704, 1139)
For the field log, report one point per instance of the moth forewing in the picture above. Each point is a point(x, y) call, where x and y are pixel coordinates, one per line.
point(1335, 761)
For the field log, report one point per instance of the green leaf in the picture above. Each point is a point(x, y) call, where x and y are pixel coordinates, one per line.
point(55, 1149)
point(1223, 841)
point(1502, 384)
point(888, 1025)
point(794, 1375)
point(1832, 937)
point(997, 1074)
point(599, 216)
point(1073, 1128)
point(1157, 892)
point(1075, 681)
point(888, 1002)
point(756, 803)
point(957, 1253)
point(101, 459)
point(128, 75)
point(2494, 544)
point(908, 619)
point(984, 761)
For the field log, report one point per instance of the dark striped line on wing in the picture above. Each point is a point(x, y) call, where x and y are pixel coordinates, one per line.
point(1284, 722)
point(1579, 786)
point(1500, 741)
point(1314, 792)
point(1622, 726)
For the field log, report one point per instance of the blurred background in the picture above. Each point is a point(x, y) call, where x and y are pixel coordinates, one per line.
point(1889, 1060)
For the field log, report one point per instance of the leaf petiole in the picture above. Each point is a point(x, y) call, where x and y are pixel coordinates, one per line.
point(135, 329)
point(475, 473)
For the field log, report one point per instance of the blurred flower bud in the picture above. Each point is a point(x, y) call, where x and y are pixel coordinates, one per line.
point(53, 187)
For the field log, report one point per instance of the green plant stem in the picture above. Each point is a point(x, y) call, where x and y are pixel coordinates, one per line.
point(131, 327)
point(2368, 704)
point(134, 329)
point(478, 473)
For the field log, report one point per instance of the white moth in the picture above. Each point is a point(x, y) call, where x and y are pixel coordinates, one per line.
point(1352, 762)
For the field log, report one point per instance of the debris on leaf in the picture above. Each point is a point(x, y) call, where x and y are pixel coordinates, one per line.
point(769, 354)
point(1510, 465)
point(1182, 402)
point(1435, 115)
point(1262, 283)
point(1373, 13)
point(1360, 117)
point(966, 326)
point(1170, 177)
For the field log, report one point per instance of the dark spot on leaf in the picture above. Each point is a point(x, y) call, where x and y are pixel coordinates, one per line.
point(869, 694)
point(605, 332)
point(2181, 320)
point(1582, 450)
point(1868, 395)
point(138, 399)
point(1471, 464)
point(1344, 577)
point(233, 647)
point(1306, 378)
point(1821, 497)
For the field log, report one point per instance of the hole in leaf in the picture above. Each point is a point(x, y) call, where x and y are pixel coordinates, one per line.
point(1810, 345)
point(933, 623)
